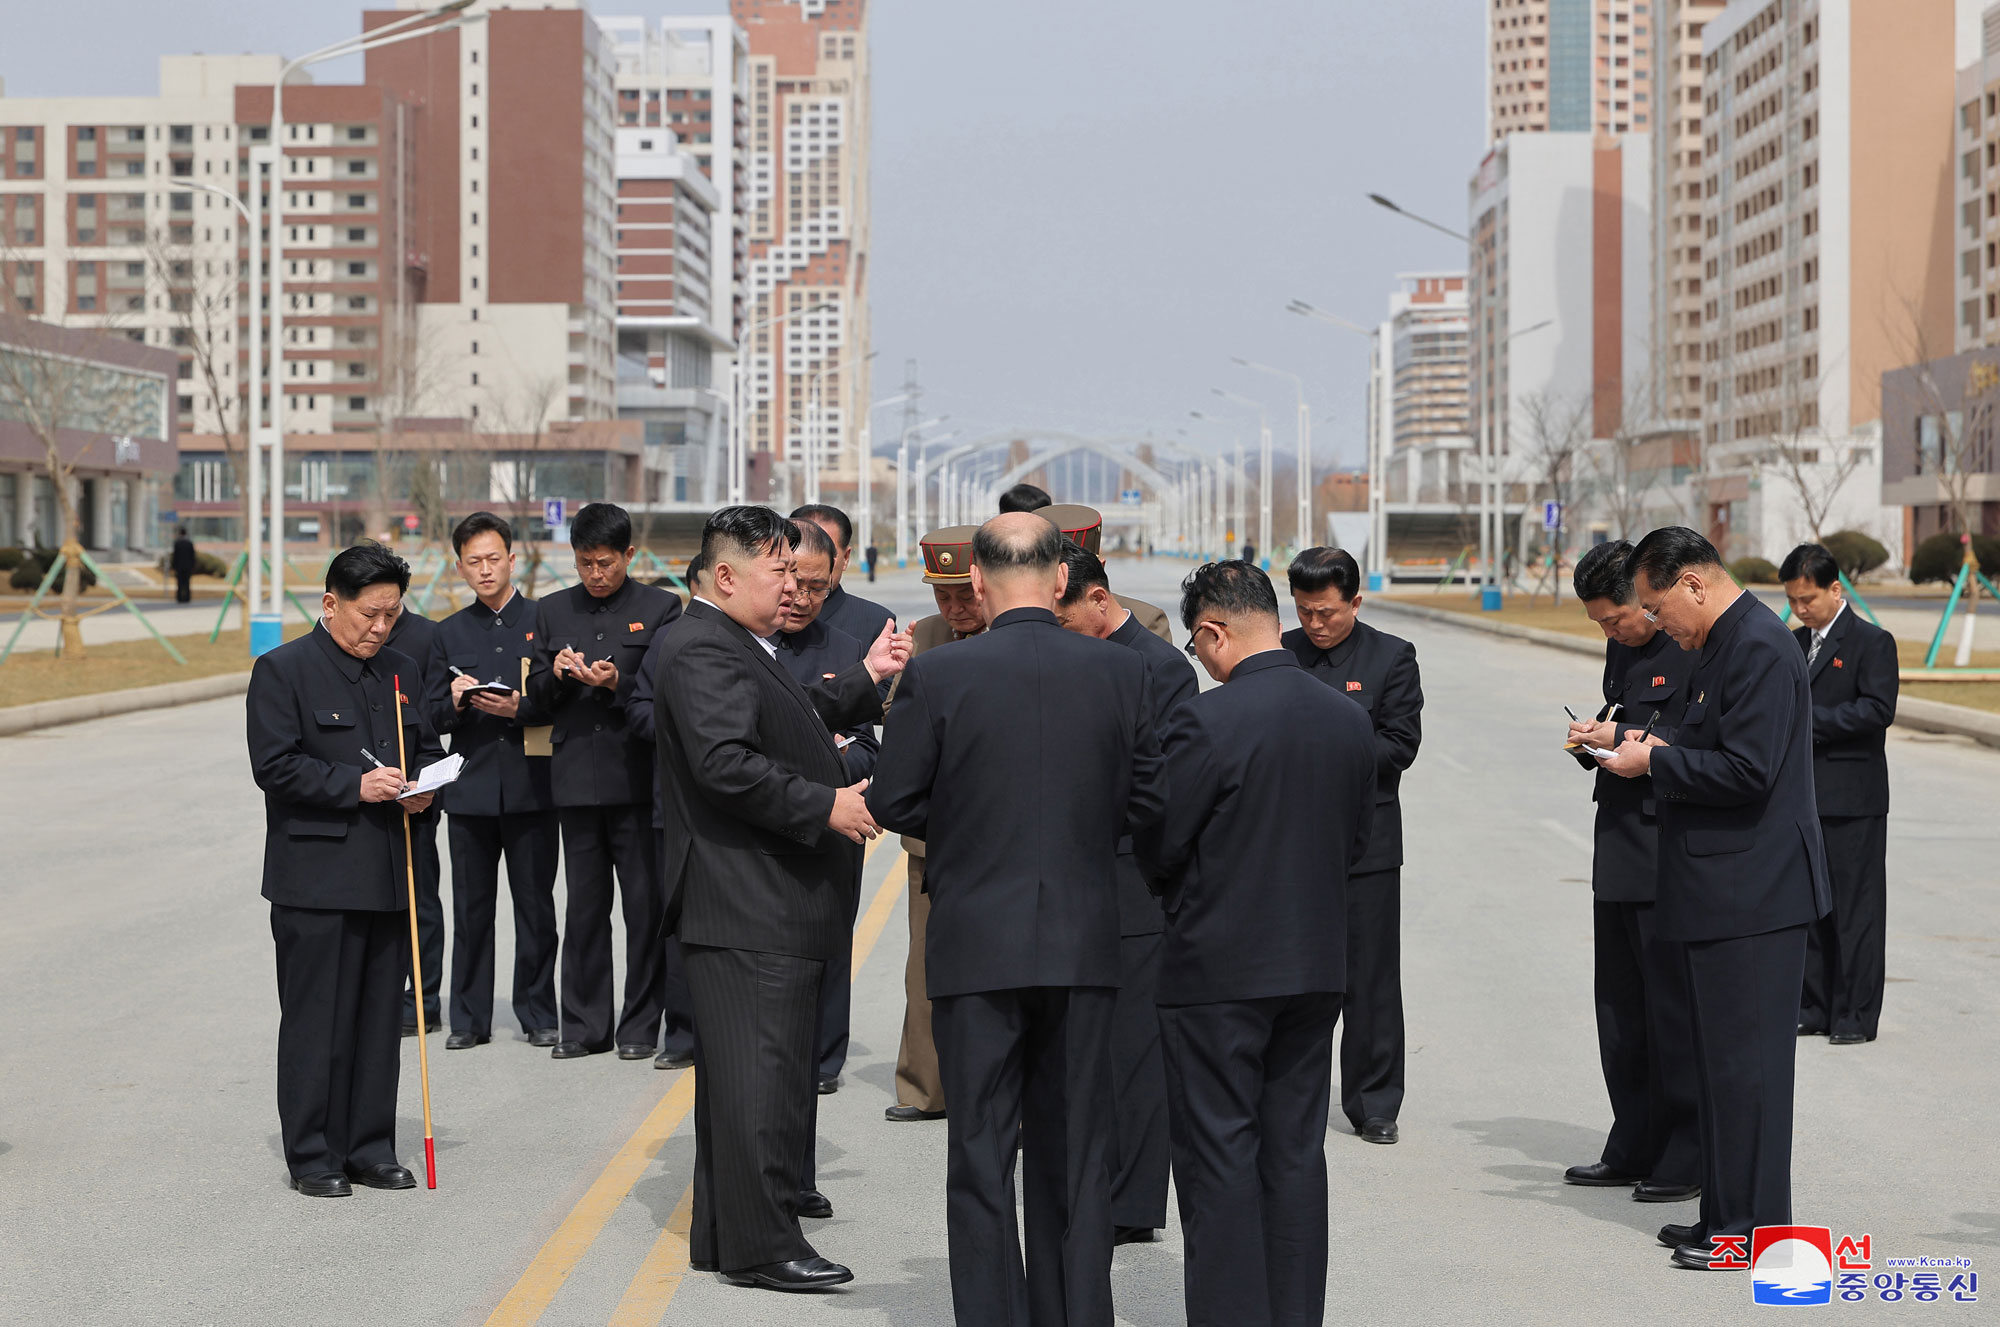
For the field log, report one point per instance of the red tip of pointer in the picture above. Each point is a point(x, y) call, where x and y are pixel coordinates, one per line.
point(430, 1161)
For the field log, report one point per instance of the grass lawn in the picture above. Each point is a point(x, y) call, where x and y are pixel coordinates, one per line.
point(34, 675)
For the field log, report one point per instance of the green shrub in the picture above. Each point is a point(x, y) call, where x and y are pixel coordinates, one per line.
point(1753, 571)
point(1938, 558)
point(1857, 553)
point(28, 573)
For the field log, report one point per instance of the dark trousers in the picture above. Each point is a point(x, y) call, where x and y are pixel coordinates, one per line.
point(182, 590)
point(1032, 1063)
point(1248, 1081)
point(836, 1000)
point(339, 1052)
point(1646, 1045)
point(1371, 1032)
point(528, 841)
point(430, 921)
point(598, 840)
point(754, 1104)
point(1141, 1155)
point(1744, 996)
point(1846, 950)
point(676, 1006)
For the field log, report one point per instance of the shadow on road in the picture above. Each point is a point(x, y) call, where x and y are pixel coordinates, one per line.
point(1986, 1231)
point(1556, 1146)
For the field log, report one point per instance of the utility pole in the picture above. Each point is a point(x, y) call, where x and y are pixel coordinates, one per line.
point(913, 393)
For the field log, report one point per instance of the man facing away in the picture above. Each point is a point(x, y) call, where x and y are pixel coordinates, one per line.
point(1022, 756)
point(1645, 1040)
point(1141, 1155)
point(1852, 666)
point(1742, 874)
point(1254, 885)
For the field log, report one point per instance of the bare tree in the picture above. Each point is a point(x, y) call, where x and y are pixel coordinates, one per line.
point(522, 414)
point(1959, 444)
point(1624, 466)
point(1815, 467)
point(1557, 428)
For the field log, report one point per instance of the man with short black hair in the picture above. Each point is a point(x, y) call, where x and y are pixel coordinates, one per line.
point(503, 806)
point(323, 716)
point(1645, 1039)
point(1742, 873)
point(1021, 756)
point(1142, 1157)
point(1378, 672)
point(1254, 958)
point(1852, 666)
point(858, 617)
point(1025, 497)
point(183, 562)
point(589, 641)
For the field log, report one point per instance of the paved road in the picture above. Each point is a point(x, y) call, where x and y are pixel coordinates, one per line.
point(140, 1179)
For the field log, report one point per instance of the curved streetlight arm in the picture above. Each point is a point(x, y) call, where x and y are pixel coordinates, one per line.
point(1380, 201)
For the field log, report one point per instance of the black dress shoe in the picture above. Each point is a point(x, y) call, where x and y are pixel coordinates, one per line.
point(674, 1060)
point(326, 1184)
point(575, 1050)
point(410, 1027)
point(544, 1037)
point(385, 1175)
point(1846, 1039)
point(1377, 1130)
point(635, 1052)
point(814, 1204)
point(459, 1041)
point(1675, 1236)
point(1134, 1235)
point(1650, 1192)
point(905, 1114)
point(704, 1265)
point(1694, 1257)
point(410, 1024)
point(800, 1274)
point(1597, 1175)
point(829, 1085)
point(1810, 1029)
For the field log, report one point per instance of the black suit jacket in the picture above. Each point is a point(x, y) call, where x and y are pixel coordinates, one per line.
point(1172, 680)
point(1854, 683)
point(819, 653)
point(499, 776)
point(858, 617)
point(310, 710)
point(597, 762)
point(1254, 878)
point(1020, 756)
point(1740, 849)
point(1651, 679)
point(183, 557)
point(750, 769)
point(1378, 672)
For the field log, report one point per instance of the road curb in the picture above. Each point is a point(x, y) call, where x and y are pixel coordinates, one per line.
point(104, 704)
point(1925, 716)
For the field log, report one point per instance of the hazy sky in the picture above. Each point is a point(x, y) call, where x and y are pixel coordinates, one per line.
point(1082, 208)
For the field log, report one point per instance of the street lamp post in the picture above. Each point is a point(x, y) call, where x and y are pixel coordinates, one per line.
point(1380, 201)
point(403, 29)
point(1378, 525)
point(1492, 499)
point(1305, 502)
point(1263, 473)
point(903, 481)
point(739, 391)
point(865, 480)
point(923, 451)
point(252, 422)
point(815, 441)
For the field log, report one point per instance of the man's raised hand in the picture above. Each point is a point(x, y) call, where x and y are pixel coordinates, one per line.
point(890, 653)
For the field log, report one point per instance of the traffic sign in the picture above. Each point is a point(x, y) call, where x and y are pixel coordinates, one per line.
point(410, 523)
point(1552, 516)
point(1130, 497)
point(552, 511)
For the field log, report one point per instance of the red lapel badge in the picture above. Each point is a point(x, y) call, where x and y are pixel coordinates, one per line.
point(1354, 686)
point(1659, 681)
point(531, 635)
point(635, 626)
point(1838, 664)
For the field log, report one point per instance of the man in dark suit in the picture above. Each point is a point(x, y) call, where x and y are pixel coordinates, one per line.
point(502, 805)
point(1142, 1157)
point(319, 707)
point(858, 617)
point(1021, 756)
point(1853, 669)
point(1378, 672)
point(765, 828)
point(1255, 951)
point(589, 641)
point(1645, 1040)
point(812, 651)
point(415, 636)
point(1742, 872)
point(183, 563)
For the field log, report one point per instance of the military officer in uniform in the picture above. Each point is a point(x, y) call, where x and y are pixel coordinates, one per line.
point(502, 806)
point(413, 635)
point(322, 714)
point(1852, 664)
point(1645, 1039)
point(1085, 526)
point(1141, 1154)
point(1379, 672)
point(589, 641)
point(947, 555)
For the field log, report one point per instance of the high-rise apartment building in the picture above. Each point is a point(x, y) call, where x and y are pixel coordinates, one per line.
point(1827, 226)
point(1976, 176)
point(1676, 361)
point(1569, 66)
point(806, 377)
point(1419, 411)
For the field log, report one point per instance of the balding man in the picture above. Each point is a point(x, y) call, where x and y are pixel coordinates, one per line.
point(1022, 756)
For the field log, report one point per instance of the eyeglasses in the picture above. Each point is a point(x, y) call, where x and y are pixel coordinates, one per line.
point(1194, 637)
point(815, 590)
point(1652, 615)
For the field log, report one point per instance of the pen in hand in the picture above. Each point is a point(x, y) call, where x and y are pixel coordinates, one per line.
point(1649, 727)
point(379, 765)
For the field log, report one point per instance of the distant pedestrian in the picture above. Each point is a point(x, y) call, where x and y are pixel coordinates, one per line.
point(1249, 552)
point(183, 563)
point(870, 555)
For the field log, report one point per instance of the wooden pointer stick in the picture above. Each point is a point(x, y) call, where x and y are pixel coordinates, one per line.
point(416, 957)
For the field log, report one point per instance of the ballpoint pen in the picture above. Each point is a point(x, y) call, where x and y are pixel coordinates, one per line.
point(373, 760)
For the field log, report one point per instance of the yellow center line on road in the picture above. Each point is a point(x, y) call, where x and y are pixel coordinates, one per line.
point(660, 1274)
